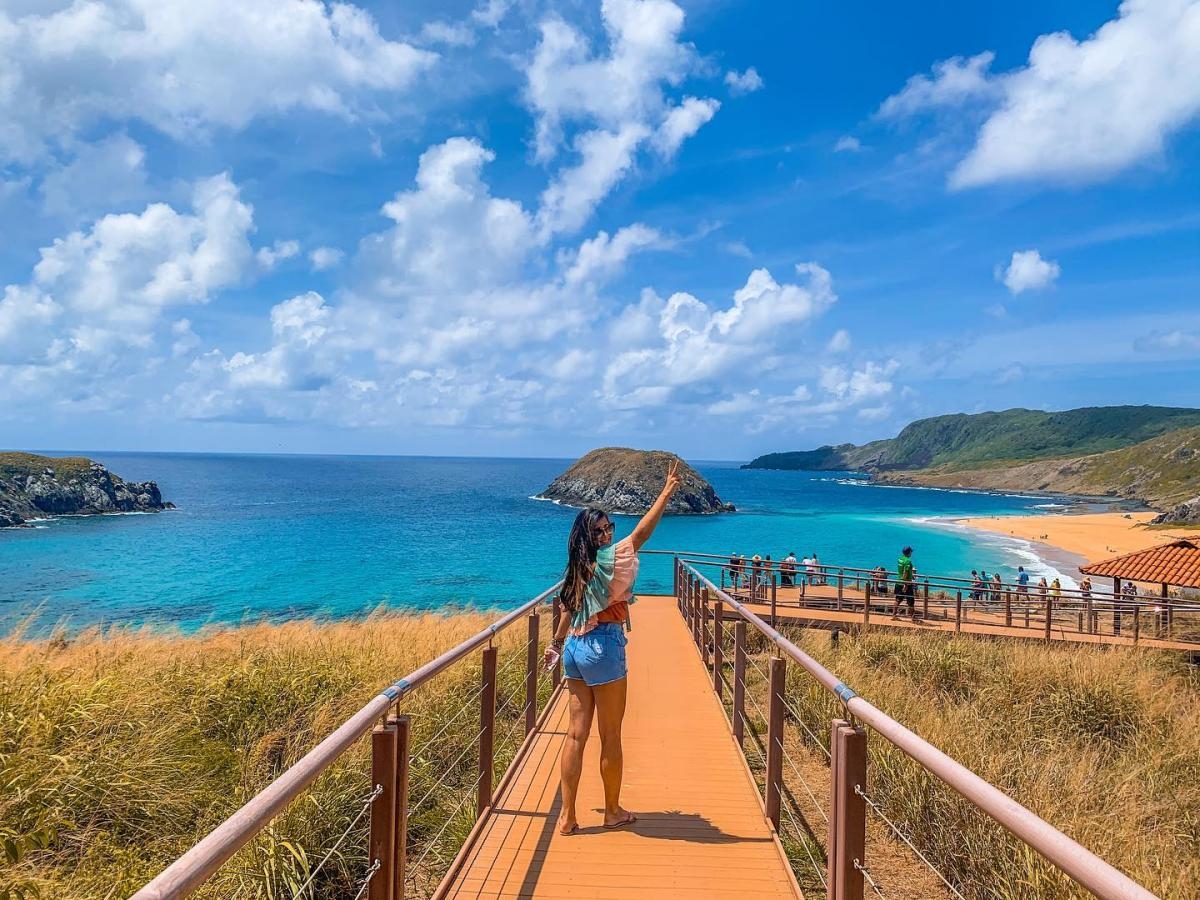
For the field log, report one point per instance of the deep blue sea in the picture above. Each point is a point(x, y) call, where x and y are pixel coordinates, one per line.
point(277, 537)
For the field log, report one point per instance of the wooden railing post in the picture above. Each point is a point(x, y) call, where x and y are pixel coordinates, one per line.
point(557, 611)
point(1008, 609)
point(705, 606)
point(841, 589)
point(487, 731)
point(777, 672)
point(925, 602)
point(403, 737)
point(532, 658)
point(847, 837)
point(1137, 622)
point(958, 612)
point(718, 654)
point(867, 605)
point(774, 599)
point(1049, 614)
point(739, 681)
point(675, 578)
point(382, 847)
point(696, 611)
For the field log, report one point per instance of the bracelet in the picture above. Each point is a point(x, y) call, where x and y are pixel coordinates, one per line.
point(557, 644)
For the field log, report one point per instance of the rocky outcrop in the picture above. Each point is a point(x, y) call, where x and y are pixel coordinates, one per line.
point(37, 487)
point(620, 480)
point(1184, 514)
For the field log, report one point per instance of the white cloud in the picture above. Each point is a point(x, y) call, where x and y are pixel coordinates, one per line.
point(848, 387)
point(1082, 110)
point(1079, 110)
point(743, 82)
point(955, 82)
point(737, 248)
point(601, 256)
point(682, 122)
point(452, 34)
point(697, 345)
point(183, 67)
point(1173, 341)
point(323, 258)
point(571, 197)
point(491, 13)
point(1027, 271)
point(840, 342)
point(109, 173)
point(450, 233)
point(269, 257)
point(606, 105)
point(847, 144)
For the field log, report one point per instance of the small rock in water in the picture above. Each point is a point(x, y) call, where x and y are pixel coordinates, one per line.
point(621, 480)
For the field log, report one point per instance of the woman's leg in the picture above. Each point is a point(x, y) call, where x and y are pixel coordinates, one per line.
point(581, 705)
point(610, 712)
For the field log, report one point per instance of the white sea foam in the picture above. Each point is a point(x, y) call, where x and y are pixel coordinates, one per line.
point(1035, 563)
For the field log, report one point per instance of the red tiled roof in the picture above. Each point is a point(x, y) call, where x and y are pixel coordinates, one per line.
point(1176, 563)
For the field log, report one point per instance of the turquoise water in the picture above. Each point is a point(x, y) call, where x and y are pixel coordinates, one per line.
point(277, 537)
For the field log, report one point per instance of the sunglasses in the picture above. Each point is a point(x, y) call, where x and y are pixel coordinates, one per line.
point(602, 530)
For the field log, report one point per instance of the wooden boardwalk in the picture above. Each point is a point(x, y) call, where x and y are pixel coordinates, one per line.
point(814, 609)
point(701, 832)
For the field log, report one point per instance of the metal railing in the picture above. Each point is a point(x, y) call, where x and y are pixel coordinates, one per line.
point(1104, 616)
point(389, 874)
point(708, 611)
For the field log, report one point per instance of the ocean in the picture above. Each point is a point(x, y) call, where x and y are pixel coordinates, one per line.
point(259, 537)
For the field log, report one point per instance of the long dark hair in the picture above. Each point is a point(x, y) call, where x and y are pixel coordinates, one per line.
point(582, 547)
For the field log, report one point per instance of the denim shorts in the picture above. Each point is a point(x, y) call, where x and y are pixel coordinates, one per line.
point(597, 657)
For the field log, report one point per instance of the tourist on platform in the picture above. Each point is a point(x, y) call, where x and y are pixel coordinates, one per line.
point(1022, 580)
point(818, 576)
point(997, 587)
point(787, 570)
point(879, 581)
point(1042, 587)
point(733, 570)
point(976, 586)
point(906, 584)
point(756, 577)
point(810, 568)
point(596, 592)
point(1056, 590)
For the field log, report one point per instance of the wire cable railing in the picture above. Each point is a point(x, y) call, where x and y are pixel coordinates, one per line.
point(847, 756)
point(395, 766)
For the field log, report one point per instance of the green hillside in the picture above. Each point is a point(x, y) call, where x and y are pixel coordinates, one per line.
point(1014, 435)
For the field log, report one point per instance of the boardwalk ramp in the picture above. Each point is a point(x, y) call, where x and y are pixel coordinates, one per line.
point(701, 832)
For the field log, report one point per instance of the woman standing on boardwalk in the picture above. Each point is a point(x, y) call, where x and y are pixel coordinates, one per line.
point(596, 592)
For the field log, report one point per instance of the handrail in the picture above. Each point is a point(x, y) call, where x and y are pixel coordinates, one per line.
point(1098, 596)
point(192, 869)
point(1089, 870)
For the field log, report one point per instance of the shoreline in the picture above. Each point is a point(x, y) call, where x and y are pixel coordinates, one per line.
point(1088, 537)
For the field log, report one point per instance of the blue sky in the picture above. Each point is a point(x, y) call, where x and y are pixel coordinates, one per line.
point(520, 227)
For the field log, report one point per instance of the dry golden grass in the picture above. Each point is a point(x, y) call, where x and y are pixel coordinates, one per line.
point(119, 750)
point(1101, 743)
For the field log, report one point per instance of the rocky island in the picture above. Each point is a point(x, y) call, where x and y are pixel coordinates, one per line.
point(37, 487)
point(621, 480)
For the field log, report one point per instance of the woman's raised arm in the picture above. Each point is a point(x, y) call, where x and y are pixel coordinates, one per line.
point(649, 521)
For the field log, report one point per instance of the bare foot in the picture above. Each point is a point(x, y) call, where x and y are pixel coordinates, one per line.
point(621, 817)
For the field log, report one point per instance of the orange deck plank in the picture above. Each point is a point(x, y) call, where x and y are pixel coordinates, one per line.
point(701, 832)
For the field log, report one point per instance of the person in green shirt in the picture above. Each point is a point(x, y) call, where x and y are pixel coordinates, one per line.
point(906, 584)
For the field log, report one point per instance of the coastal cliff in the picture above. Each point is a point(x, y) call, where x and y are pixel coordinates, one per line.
point(621, 480)
point(36, 487)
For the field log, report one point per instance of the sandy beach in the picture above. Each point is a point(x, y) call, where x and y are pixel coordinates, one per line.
point(1093, 536)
